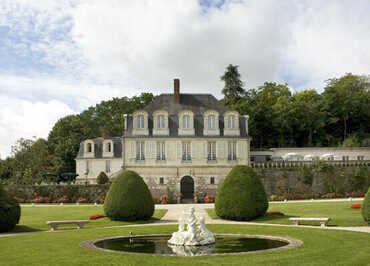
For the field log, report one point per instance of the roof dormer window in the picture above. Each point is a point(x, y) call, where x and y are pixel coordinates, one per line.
point(211, 122)
point(160, 122)
point(186, 121)
point(89, 147)
point(140, 121)
point(231, 123)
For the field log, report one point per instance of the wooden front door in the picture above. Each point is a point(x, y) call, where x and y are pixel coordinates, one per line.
point(187, 187)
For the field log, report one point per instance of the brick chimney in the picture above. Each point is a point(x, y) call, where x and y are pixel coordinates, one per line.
point(104, 133)
point(176, 90)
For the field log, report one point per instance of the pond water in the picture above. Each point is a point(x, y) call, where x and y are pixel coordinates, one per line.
point(159, 245)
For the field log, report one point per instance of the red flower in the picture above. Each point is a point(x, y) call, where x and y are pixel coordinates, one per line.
point(276, 213)
point(356, 206)
point(81, 200)
point(209, 199)
point(97, 216)
point(164, 199)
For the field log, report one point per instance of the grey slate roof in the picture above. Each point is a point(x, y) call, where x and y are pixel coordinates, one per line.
point(197, 103)
point(98, 147)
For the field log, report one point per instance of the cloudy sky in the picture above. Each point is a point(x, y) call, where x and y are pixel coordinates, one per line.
point(58, 57)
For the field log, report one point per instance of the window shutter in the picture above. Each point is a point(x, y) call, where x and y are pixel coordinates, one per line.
point(132, 151)
point(179, 149)
point(220, 149)
point(239, 149)
point(193, 150)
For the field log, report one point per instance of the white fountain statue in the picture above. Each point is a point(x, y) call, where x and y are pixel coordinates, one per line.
point(196, 233)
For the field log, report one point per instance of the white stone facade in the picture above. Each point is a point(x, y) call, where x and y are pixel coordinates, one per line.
point(184, 143)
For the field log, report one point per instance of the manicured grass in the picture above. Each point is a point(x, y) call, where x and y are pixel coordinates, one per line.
point(340, 212)
point(321, 247)
point(34, 218)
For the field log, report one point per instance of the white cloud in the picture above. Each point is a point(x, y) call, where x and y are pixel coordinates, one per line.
point(92, 50)
point(25, 119)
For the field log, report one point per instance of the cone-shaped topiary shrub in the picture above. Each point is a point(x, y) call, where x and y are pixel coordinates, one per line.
point(102, 178)
point(10, 212)
point(241, 195)
point(128, 198)
point(366, 207)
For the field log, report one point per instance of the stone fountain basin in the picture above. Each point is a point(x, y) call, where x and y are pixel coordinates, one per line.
point(208, 250)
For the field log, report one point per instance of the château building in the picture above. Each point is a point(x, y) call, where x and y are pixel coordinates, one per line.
point(183, 142)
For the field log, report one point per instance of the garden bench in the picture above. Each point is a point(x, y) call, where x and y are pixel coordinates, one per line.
point(323, 221)
point(54, 224)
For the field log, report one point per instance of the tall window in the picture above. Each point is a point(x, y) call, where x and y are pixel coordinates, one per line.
point(211, 122)
point(212, 180)
point(161, 152)
point(360, 157)
point(89, 147)
point(211, 151)
point(231, 151)
point(140, 121)
point(108, 147)
point(186, 153)
point(160, 121)
point(107, 166)
point(140, 151)
point(186, 121)
point(231, 121)
point(345, 158)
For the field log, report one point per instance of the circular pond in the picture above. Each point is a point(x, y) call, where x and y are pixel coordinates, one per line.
point(225, 244)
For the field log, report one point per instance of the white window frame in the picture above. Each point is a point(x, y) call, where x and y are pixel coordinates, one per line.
point(186, 121)
point(140, 151)
point(211, 121)
point(231, 122)
point(186, 151)
point(140, 122)
point(160, 122)
point(161, 151)
point(108, 147)
point(212, 151)
point(231, 147)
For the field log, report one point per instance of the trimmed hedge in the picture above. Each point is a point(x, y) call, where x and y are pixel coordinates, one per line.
point(129, 198)
point(10, 212)
point(27, 193)
point(102, 178)
point(366, 207)
point(241, 196)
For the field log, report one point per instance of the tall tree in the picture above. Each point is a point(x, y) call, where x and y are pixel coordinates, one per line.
point(347, 102)
point(31, 159)
point(309, 117)
point(233, 89)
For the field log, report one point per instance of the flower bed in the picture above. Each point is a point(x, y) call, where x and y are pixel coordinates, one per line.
point(209, 198)
point(97, 216)
point(356, 206)
point(276, 213)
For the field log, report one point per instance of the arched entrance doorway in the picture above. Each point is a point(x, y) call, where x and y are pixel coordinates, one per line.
point(187, 187)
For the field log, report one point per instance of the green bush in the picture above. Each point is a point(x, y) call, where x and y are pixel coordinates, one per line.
point(241, 195)
point(128, 198)
point(366, 207)
point(102, 178)
point(10, 212)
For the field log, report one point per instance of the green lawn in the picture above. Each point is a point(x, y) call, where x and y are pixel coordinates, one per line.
point(321, 247)
point(340, 213)
point(34, 218)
